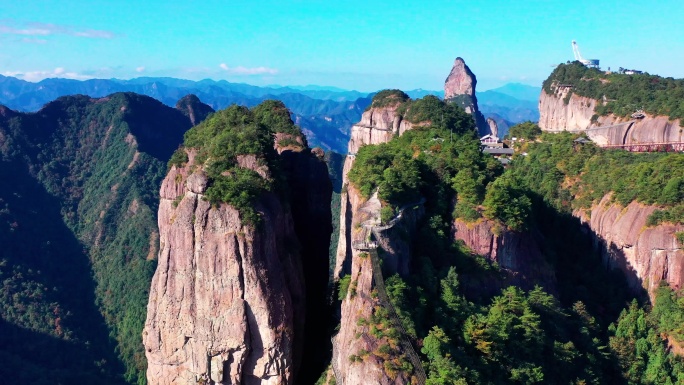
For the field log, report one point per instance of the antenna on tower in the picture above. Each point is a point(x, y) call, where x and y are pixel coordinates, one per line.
point(591, 63)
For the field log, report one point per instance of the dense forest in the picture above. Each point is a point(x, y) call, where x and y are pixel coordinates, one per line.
point(589, 328)
point(78, 215)
point(622, 94)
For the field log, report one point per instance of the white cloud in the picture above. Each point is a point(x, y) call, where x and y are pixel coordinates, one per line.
point(35, 76)
point(8, 27)
point(33, 40)
point(140, 69)
point(239, 70)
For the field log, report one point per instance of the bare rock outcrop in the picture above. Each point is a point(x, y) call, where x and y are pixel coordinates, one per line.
point(461, 80)
point(353, 357)
point(563, 110)
point(493, 127)
point(645, 254)
point(227, 298)
point(459, 87)
point(194, 109)
point(377, 125)
point(518, 254)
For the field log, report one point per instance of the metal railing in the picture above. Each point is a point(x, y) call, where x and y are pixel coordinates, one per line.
point(379, 281)
point(379, 284)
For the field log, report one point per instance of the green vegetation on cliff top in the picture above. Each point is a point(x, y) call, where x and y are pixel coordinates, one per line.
point(624, 94)
point(471, 331)
point(235, 133)
point(572, 176)
point(440, 160)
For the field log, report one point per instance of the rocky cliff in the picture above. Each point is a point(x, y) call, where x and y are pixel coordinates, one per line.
point(459, 87)
point(377, 125)
point(227, 303)
point(224, 297)
point(193, 108)
point(518, 254)
point(563, 110)
point(645, 254)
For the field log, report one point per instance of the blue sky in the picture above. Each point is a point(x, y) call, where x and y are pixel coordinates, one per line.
point(364, 45)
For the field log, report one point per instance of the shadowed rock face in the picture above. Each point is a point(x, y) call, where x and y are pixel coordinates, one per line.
point(227, 303)
point(646, 255)
point(459, 87)
point(518, 254)
point(194, 109)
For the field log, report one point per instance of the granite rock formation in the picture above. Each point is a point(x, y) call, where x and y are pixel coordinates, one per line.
point(227, 303)
point(377, 125)
point(566, 111)
point(224, 297)
point(493, 127)
point(459, 87)
point(518, 254)
point(645, 254)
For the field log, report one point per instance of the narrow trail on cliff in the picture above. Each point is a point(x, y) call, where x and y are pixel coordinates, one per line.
point(372, 226)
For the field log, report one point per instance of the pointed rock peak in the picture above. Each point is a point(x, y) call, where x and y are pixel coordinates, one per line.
point(493, 127)
point(192, 107)
point(461, 80)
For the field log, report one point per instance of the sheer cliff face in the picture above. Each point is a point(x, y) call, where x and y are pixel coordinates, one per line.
point(224, 298)
point(518, 254)
point(244, 222)
point(558, 112)
point(459, 87)
point(461, 80)
point(378, 125)
point(646, 255)
point(361, 302)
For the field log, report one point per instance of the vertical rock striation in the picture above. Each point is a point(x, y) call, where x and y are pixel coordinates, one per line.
point(459, 87)
point(377, 125)
point(563, 110)
point(518, 254)
point(646, 255)
point(224, 299)
point(227, 303)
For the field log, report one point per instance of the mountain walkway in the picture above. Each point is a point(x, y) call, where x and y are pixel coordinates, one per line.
point(366, 245)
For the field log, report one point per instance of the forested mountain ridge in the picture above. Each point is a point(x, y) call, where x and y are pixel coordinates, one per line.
point(325, 115)
point(80, 178)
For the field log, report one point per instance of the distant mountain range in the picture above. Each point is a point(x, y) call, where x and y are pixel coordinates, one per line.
point(325, 114)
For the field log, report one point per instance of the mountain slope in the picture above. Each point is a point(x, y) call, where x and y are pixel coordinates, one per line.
point(96, 164)
point(326, 115)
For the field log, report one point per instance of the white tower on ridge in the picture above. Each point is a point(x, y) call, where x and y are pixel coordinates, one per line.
point(592, 63)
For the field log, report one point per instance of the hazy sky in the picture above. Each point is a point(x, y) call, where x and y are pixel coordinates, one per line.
point(364, 45)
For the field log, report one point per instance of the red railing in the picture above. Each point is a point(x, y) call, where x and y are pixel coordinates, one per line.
point(649, 147)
